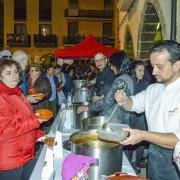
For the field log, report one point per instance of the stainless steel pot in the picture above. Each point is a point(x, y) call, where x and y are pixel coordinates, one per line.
point(94, 122)
point(107, 154)
point(85, 115)
point(81, 95)
point(77, 118)
point(79, 84)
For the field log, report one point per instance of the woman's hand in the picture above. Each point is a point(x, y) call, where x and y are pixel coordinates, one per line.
point(81, 109)
point(123, 100)
point(97, 98)
point(50, 141)
point(41, 120)
point(32, 99)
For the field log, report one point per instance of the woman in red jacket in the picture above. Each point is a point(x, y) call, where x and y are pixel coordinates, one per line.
point(19, 127)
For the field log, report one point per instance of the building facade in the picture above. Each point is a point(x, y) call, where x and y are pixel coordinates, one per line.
point(41, 26)
point(144, 22)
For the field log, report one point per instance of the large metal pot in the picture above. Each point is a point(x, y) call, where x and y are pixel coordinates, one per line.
point(79, 84)
point(85, 115)
point(81, 95)
point(77, 118)
point(93, 123)
point(108, 155)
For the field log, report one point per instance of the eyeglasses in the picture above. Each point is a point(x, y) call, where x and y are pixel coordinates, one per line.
point(99, 60)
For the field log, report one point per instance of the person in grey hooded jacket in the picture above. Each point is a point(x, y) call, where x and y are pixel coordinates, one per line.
point(120, 64)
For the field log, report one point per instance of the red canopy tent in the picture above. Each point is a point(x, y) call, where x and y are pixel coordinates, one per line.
point(87, 48)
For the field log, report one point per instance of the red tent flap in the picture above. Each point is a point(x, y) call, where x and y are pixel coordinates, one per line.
point(87, 48)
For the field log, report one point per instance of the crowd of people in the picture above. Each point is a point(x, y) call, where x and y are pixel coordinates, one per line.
point(161, 103)
point(149, 106)
point(152, 111)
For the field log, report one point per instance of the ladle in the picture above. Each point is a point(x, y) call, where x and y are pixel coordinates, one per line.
point(105, 125)
point(121, 86)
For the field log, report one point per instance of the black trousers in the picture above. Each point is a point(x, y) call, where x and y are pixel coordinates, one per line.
point(22, 173)
point(138, 121)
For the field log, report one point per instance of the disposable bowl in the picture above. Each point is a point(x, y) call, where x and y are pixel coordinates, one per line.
point(44, 114)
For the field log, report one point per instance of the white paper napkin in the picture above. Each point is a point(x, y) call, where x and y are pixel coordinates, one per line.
point(48, 169)
point(57, 149)
point(67, 115)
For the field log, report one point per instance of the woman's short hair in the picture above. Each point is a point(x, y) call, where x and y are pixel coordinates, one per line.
point(37, 66)
point(8, 63)
point(138, 63)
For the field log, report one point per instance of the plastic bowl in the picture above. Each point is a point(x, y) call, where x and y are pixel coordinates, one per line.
point(38, 96)
point(33, 91)
point(44, 114)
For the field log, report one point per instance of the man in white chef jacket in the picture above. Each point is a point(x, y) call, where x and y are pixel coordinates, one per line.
point(161, 103)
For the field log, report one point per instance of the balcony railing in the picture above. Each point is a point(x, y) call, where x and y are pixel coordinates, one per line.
point(19, 40)
point(72, 39)
point(109, 40)
point(45, 40)
point(68, 40)
point(89, 13)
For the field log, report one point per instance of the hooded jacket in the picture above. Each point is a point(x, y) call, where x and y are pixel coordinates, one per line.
point(108, 103)
point(19, 129)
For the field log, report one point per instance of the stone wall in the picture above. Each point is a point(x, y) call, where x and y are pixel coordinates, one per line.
point(140, 24)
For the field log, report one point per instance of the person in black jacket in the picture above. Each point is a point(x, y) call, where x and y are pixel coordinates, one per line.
point(120, 64)
point(138, 121)
point(41, 83)
point(104, 78)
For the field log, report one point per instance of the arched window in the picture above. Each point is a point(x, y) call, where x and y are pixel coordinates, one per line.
point(128, 47)
point(150, 31)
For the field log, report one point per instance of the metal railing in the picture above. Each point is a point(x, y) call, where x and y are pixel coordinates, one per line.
point(19, 40)
point(67, 40)
point(45, 40)
point(89, 13)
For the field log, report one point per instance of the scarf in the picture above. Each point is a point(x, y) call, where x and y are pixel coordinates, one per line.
point(8, 90)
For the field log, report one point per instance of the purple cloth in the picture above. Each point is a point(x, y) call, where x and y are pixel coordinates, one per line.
point(73, 164)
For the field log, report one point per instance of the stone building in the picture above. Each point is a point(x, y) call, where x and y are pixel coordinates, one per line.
point(143, 22)
point(40, 26)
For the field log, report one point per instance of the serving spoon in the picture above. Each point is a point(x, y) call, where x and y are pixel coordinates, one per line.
point(105, 125)
point(121, 86)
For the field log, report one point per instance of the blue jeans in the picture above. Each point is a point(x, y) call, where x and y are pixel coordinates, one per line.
point(21, 173)
point(160, 164)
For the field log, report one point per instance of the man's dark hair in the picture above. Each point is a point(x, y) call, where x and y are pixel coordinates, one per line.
point(57, 66)
point(49, 66)
point(171, 46)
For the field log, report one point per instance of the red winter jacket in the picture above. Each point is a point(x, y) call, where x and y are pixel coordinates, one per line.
point(19, 130)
